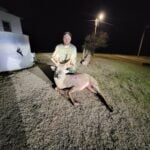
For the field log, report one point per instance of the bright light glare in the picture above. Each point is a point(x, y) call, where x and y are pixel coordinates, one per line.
point(101, 16)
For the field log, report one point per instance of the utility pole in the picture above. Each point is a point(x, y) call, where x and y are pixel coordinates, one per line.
point(141, 42)
point(98, 20)
point(96, 23)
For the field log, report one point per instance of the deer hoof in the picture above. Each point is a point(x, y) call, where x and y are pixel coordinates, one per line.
point(76, 103)
point(56, 88)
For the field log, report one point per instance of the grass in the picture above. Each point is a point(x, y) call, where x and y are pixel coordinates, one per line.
point(48, 121)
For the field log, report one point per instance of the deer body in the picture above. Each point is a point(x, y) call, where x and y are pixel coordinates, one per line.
point(76, 82)
point(80, 81)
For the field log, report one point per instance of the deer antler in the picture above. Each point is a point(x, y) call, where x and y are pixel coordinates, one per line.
point(68, 63)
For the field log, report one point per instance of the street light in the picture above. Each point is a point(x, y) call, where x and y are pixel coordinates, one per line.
point(101, 16)
point(98, 19)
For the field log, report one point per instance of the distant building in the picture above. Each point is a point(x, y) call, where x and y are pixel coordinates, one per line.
point(15, 51)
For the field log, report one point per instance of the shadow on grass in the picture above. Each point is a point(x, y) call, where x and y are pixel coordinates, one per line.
point(48, 72)
point(146, 64)
point(101, 98)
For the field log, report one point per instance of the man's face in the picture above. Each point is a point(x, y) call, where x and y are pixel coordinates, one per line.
point(66, 39)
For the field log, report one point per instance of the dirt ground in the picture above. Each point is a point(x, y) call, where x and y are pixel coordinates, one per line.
point(34, 116)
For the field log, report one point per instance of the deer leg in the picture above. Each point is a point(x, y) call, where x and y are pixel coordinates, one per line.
point(101, 98)
point(72, 90)
point(60, 91)
point(92, 89)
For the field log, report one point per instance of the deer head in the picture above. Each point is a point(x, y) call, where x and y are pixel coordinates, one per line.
point(61, 69)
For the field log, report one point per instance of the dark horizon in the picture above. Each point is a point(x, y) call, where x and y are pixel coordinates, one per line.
point(45, 22)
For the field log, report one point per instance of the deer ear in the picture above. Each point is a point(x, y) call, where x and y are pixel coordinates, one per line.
point(53, 68)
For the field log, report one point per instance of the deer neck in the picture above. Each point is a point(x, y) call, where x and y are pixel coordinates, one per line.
point(60, 81)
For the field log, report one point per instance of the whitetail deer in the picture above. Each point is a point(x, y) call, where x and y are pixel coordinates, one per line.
point(76, 82)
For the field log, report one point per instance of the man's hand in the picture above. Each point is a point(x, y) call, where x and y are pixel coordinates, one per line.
point(54, 61)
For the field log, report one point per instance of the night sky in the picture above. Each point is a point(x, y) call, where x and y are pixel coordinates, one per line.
point(46, 20)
